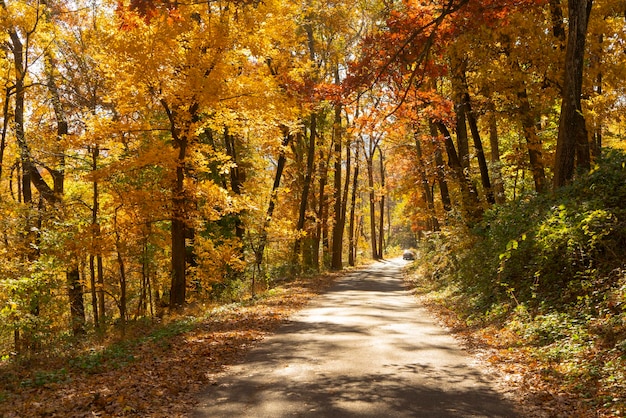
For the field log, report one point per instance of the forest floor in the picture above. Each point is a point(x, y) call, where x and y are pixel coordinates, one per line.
point(537, 392)
point(152, 370)
point(157, 371)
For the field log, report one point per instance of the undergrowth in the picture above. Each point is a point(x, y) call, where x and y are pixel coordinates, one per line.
point(551, 271)
point(151, 367)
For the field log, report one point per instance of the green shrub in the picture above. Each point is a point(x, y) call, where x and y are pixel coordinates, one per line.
point(113, 357)
point(552, 269)
point(41, 378)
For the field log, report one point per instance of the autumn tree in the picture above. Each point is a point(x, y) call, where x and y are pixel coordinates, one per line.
point(573, 142)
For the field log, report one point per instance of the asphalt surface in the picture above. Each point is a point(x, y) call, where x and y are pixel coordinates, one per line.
point(365, 348)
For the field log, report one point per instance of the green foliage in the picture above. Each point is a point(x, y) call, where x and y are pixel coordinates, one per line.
point(120, 354)
point(171, 330)
point(230, 290)
point(27, 291)
point(42, 378)
point(112, 357)
point(551, 270)
point(553, 247)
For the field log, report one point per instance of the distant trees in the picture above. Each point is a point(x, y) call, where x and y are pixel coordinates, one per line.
point(508, 70)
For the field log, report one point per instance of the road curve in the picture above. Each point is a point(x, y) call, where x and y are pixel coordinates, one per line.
point(365, 348)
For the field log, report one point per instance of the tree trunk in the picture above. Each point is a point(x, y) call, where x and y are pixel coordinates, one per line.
point(236, 179)
point(144, 294)
point(180, 139)
point(556, 14)
point(77, 307)
point(372, 200)
point(496, 164)
point(346, 188)
point(339, 207)
point(101, 304)
point(533, 143)
point(471, 207)
point(5, 126)
point(95, 208)
point(122, 302)
point(572, 147)
point(596, 148)
point(179, 252)
point(440, 169)
point(280, 166)
point(478, 145)
point(351, 227)
point(465, 115)
point(122, 281)
point(381, 215)
point(596, 143)
point(321, 222)
point(424, 183)
point(94, 292)
point(460, 110)
point(307, 183)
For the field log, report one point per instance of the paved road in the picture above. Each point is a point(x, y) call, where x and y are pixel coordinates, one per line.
point(363, 349)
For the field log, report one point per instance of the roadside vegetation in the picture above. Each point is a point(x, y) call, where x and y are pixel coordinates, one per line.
point(155, 368)
point(540, 283)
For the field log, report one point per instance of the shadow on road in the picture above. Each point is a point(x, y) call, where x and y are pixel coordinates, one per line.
point(363, 349)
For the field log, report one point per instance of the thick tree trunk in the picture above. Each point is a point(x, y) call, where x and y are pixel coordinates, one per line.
point(178, 288)
point(23, 340)
point(572, 146)
point(18, 117)
point(77, 307)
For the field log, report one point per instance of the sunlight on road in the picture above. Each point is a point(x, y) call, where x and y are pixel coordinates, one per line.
point(363, 349)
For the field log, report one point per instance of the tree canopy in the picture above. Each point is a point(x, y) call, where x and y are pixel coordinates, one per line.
point(157, 153)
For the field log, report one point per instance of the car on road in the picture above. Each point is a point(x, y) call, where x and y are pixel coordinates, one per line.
point(408, 255)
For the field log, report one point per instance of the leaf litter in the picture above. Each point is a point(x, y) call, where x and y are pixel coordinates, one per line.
point(156, 375)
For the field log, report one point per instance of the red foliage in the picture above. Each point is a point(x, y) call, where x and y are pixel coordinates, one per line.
point(416, 35)
point(147, 10)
